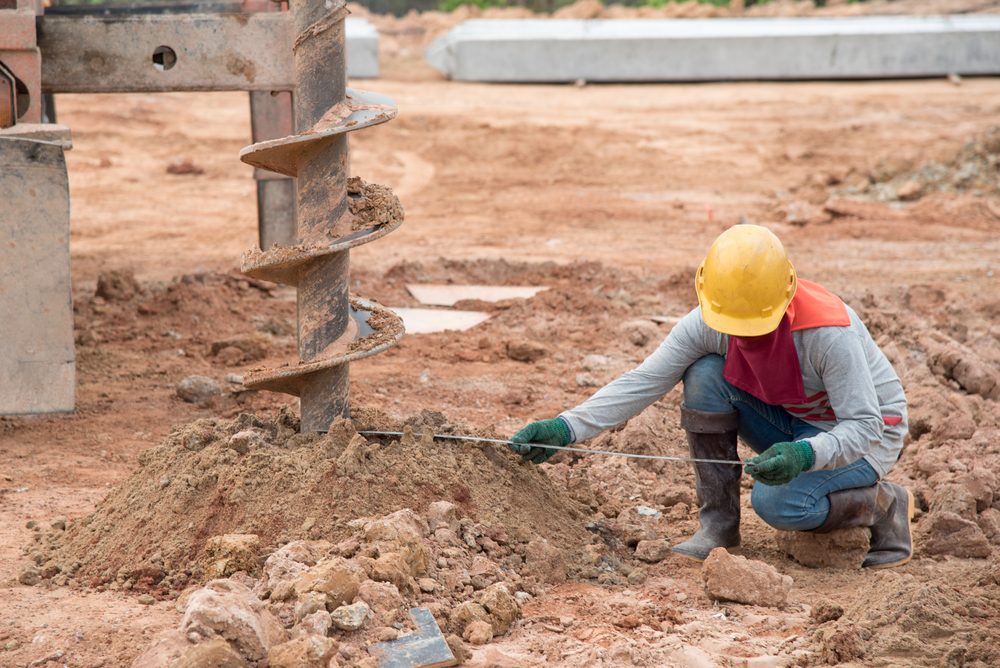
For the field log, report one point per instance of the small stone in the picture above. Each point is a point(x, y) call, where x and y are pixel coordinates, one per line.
point(427, 585)
point(146, 599)
point(316, 624)
point(842, 549)
point(502, 607)
point(458, 649)
point(954, 499)
point(989, 524)
point(652, 551)
point(245, 441)
point(637, 577)
point(118, 285)
point(826, 611)
point(231, 553)
point(546, 562)
point(731, 578)
point(351, 617)
point(303, 652)
point(29, 574)
point(466, 613)
point(478, 633)
point(58, 523)
point(231, 356)
point(198, 389)
point(380, 596)
point(333, 578)
point(30, 524)
point(255, 345)
point(391, 567)
point(609, 578)
point(910, 190)
point(309, 604)
point(524, 350)
point(442, 514)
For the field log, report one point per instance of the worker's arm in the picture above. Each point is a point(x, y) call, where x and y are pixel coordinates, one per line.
point(838, 355)
point(689, 340)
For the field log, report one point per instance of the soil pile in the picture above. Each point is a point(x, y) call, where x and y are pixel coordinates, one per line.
point(251, 476)
point(917, 624)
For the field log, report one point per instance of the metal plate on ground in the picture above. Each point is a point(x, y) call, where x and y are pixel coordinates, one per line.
point(426, 648)
point(447, 295)
point(429, 320)
point(37, 359)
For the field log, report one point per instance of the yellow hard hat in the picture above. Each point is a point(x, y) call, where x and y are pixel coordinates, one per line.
point(746, 282)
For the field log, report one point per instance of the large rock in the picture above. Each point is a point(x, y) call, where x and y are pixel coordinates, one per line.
point(731, 578)
point(392, 567)
point(280, 570)
point(982, 484)
point(466, 613)
point(401, 532)
point(230, 610)
point(380, 596)
point(303, 652)
point(842, 549)
point(225, 555)
point(546, 562)
point(176, 651)
point(948, 533)
point(333, 578)
point(498, 600)
point(954, 499)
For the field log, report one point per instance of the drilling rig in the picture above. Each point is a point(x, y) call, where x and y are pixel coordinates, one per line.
point(310, 212)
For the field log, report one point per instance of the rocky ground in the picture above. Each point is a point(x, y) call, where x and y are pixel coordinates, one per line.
point(177, 517)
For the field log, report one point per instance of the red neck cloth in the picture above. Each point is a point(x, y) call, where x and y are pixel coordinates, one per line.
point(768, 366)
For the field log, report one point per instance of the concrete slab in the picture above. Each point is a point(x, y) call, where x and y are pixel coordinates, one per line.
point(447, 295)
point(428, 320)
point(361, 38)
point(37, 356)
point(864, 47)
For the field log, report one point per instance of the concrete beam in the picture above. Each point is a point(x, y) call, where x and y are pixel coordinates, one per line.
point(362, 48)
point(870, 47)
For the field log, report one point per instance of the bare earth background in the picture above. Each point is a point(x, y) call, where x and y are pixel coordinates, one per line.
point(608, 194)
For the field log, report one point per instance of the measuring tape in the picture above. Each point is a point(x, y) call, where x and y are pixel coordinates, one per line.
point(731, 462)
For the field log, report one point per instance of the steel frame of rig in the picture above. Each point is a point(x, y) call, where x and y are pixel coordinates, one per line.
point(293, 63)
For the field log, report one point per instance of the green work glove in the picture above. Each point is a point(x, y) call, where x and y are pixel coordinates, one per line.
point(546, 432)
point(780, 463)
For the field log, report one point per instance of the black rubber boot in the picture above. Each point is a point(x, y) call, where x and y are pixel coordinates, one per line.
point(886, 508)
point(712, 435)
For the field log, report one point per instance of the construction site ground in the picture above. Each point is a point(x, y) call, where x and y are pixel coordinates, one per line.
point(608, 195)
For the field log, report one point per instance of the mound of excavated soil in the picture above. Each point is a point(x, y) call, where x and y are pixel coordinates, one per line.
point(906, 622)
point(250, 476)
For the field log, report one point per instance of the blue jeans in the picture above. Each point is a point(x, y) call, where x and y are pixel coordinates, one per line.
point(800, 505)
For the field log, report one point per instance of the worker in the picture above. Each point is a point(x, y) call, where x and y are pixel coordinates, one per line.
point(791, 370)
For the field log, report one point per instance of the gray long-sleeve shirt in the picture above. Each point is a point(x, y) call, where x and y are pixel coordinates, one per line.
point(854, 394)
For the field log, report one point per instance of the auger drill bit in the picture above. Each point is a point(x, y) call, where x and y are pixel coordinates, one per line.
point(335, 214)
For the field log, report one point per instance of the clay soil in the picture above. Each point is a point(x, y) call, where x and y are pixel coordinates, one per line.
point(608, 195)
